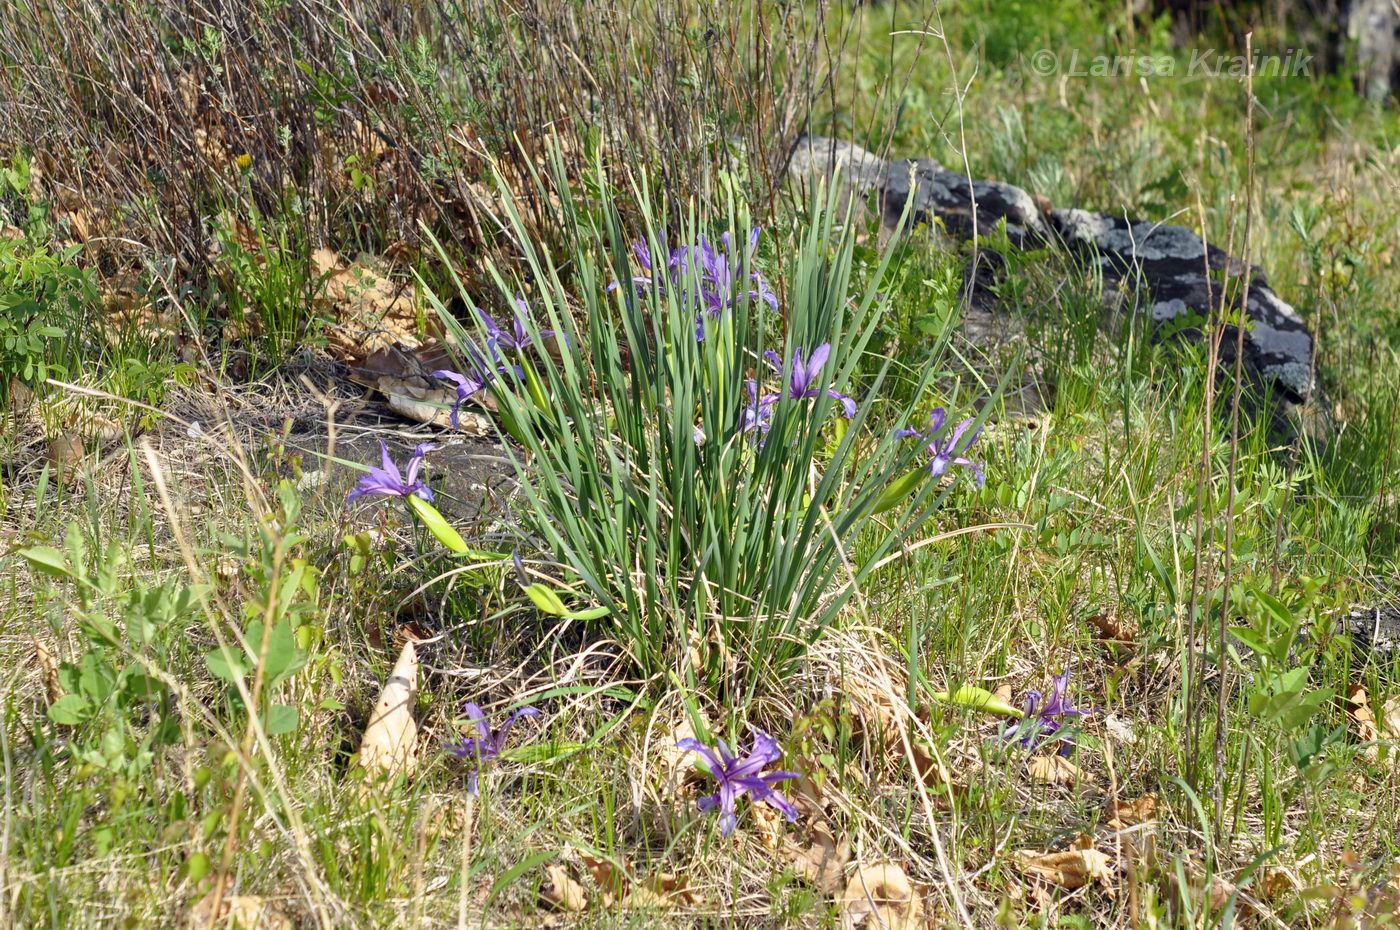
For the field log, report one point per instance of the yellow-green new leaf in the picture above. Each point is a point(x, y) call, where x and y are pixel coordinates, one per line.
point(437, 525)
point(976, 698)
point(547, 600)
point(899, 489)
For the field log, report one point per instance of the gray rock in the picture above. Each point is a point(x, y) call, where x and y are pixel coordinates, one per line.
point(1171, 265)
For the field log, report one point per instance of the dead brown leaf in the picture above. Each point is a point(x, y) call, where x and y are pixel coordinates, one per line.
point(49, 666)
point(65, 455)
point(1055, 770)
point(561, 892)
point(930, 770)
point(1363, 720)
point(11, 232)
point(820, 860)
point(1072, 868)
point(100, 429)
point(662, 890)
point(880, 897)
point(392, 735)
point(403, 376)
point(676, 764)
point(432, 406)
point(1112, 629)
point(21, 399)
point(610, 875)
point(1130, 813)
point(371, 311)
point(1277, 884)
point(237, 912)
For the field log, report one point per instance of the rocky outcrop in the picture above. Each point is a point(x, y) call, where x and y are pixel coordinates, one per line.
point(1177, 273)
point(1374, 25)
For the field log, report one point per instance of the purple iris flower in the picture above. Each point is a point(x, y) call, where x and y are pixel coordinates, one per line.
point(738, 776)
point(715, 268)
point(758, 415)
point(675, 262)
point(1043, 721)
point(804, 379)
point(466, 386)
point(388, 481)
point(515, 339)
point(479, 374)
point(487, 745)
point(941, 452)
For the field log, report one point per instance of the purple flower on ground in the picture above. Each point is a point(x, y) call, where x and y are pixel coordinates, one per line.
point(486, 746)
point(739, 776)
point(942, 453)
point(804, 379)
point(387, 480)
point(1044, 720)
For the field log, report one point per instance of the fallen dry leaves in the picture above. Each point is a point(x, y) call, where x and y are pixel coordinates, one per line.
point(1368, 729)
point(48, 665)
point(392, 735)
point(1123, 814)
point(403, 377)
point(371, 311)
point(1055, 770)
point(1073, 868)
point(1112, 630)
point(244, 912)
point(560, 892)
point(880, 897)
point(820, 858)
point(65, 455)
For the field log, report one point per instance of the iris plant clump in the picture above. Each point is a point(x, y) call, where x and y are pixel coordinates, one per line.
point(677, 458)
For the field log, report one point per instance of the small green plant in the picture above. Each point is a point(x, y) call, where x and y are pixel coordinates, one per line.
point(45, 299)
point(274, 645)
point(112, 690)
point(268, 284)
point(1281, 695)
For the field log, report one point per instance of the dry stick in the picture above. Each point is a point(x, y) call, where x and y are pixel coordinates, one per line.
point(1195, 657)
point(469, 820)
point(245, 749)
point(9, 800)
point(1222, 665)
